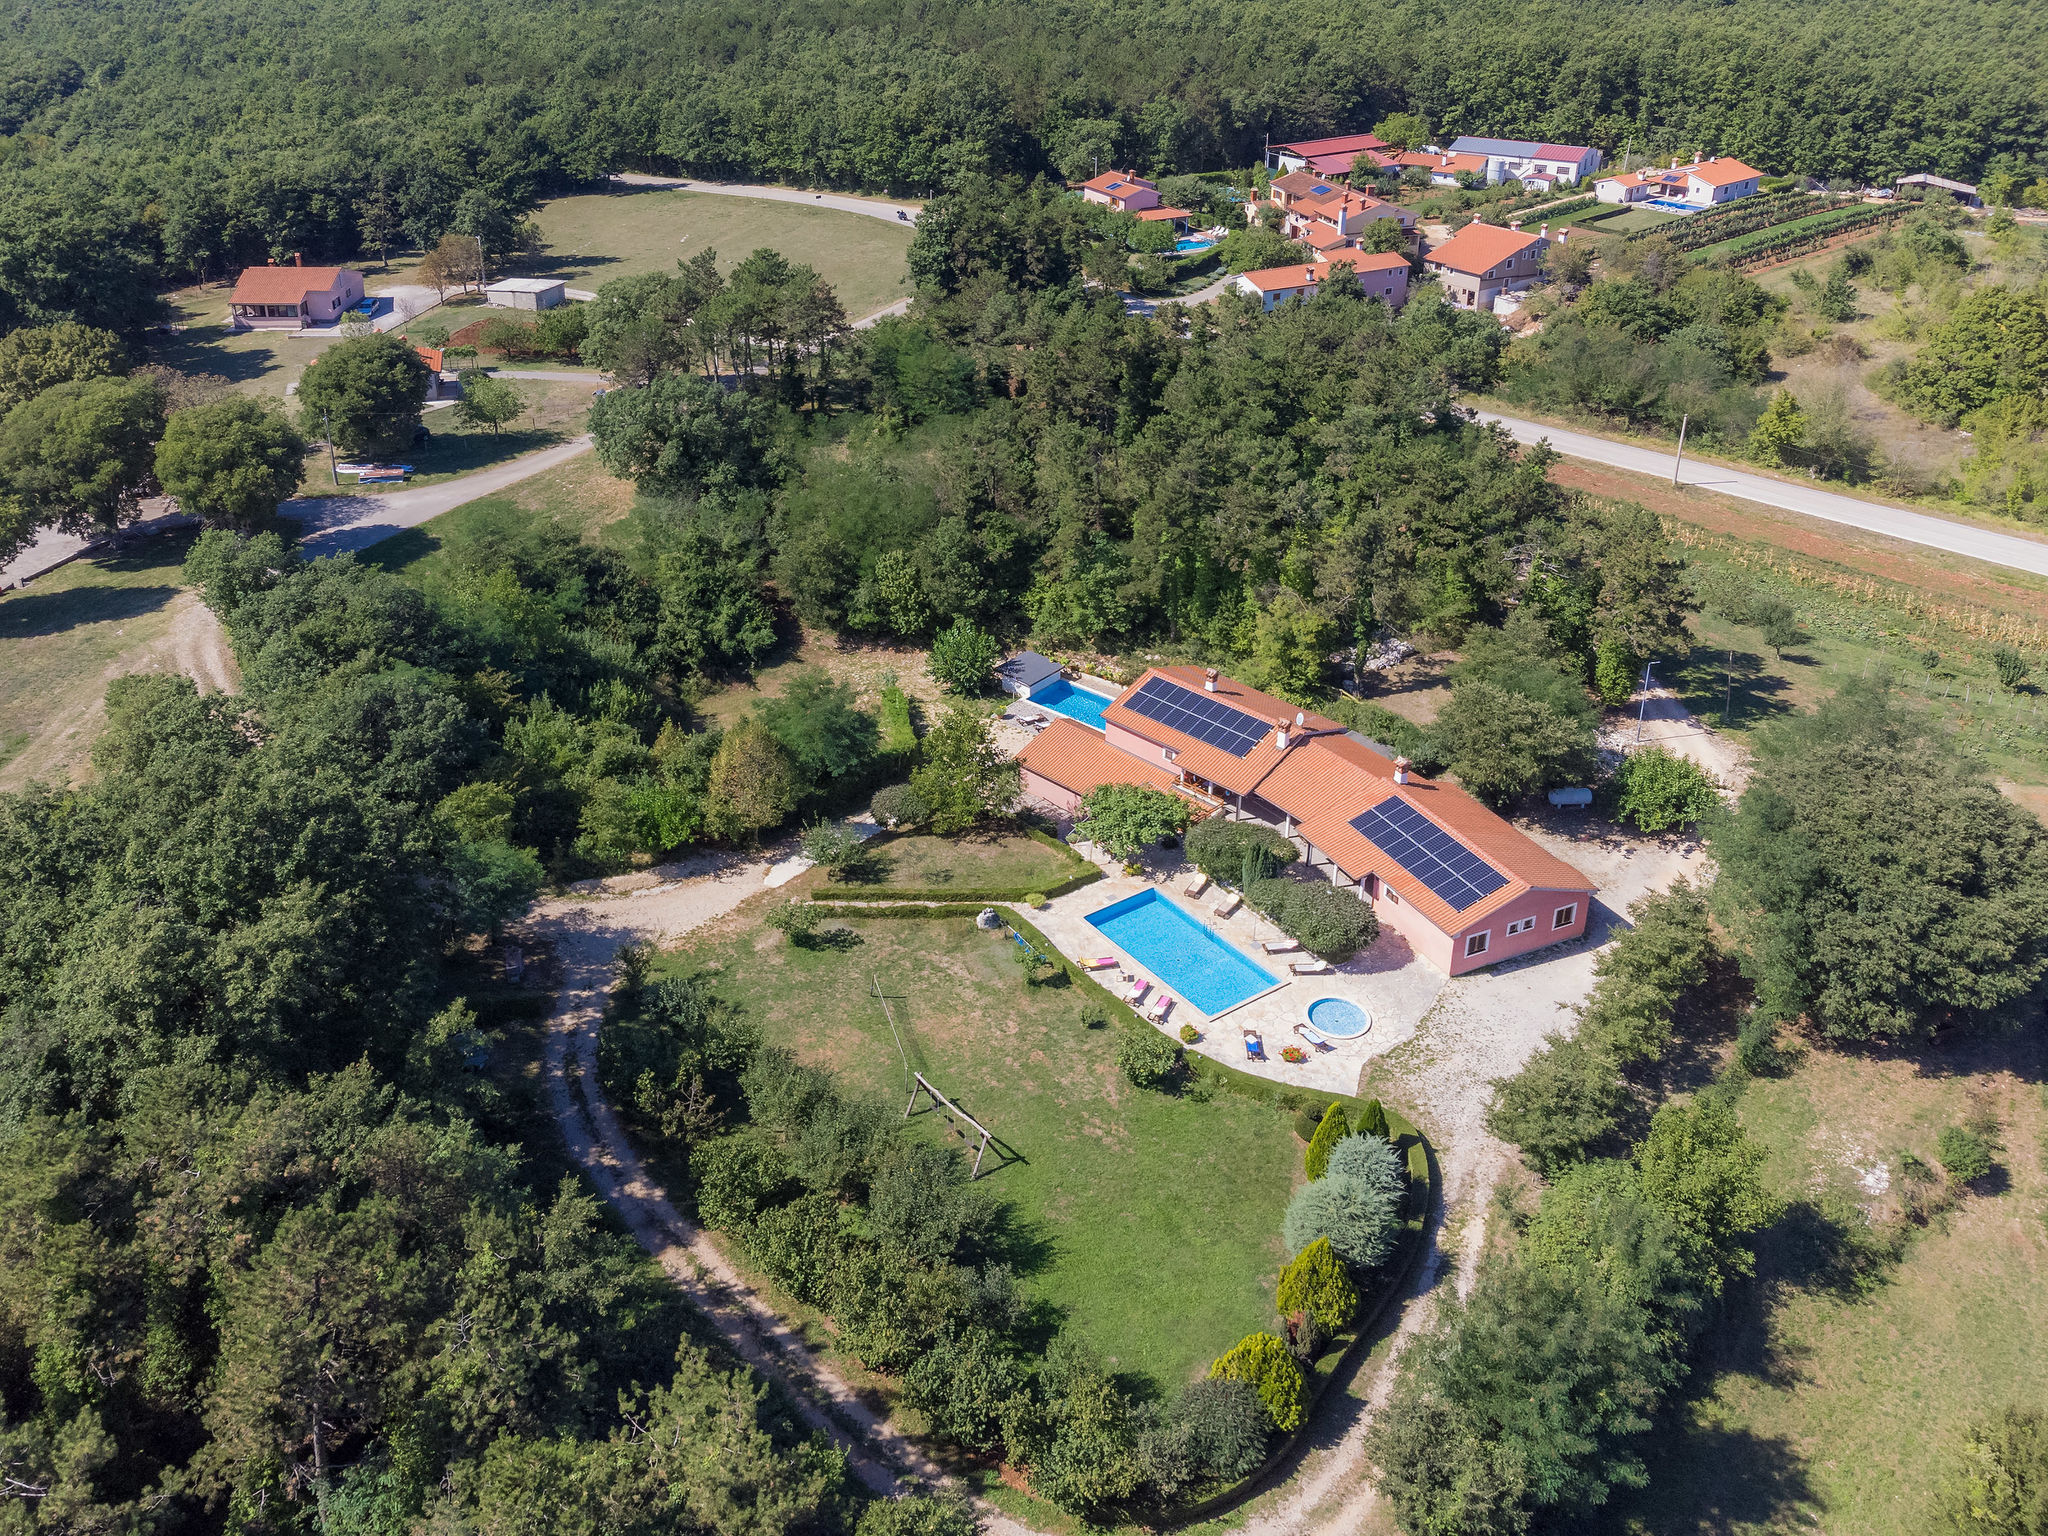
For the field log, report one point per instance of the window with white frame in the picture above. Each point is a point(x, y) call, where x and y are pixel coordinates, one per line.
point(1521, 925)
point(1564, 917)
point(1475, 944)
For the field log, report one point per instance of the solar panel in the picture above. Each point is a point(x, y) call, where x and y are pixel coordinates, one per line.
point(1429, 853)
point(1197, 716)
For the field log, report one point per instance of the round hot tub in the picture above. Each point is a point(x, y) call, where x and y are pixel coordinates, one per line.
point(1339, 1018)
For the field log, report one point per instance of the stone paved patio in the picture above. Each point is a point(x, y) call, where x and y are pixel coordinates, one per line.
point(1393, 984)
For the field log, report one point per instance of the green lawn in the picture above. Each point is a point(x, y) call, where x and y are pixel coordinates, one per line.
point(1005, 862)
point(1156, 1219)
point(64, 635)
point(1831, 1395)
point(1638, 219)
point(261, 363)
point(596, 237)
point(555, 412)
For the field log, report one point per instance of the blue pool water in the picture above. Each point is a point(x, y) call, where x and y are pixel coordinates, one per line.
point(1191, 243)
point(1671, 205)
point(1339, 1018)
point(1193, 963)
point(1063, 698)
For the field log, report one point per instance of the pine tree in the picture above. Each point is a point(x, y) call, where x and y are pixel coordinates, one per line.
point(1372, 1120)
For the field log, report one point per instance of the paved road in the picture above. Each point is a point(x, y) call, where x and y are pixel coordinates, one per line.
point(333, 524)
point(894, 213)
point(1133, 305)
point(2008, 549)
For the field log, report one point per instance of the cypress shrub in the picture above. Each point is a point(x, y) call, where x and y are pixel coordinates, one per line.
point(1316, 1284)
point(1372, 1120)
point(1328, 1133)
point(1264, 1363)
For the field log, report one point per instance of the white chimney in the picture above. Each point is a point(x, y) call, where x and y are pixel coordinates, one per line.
point(1400, 770)
point(1543, 233)
point(1515, 226)
point(1209, 682)
point(1674, 162)
point(1280, 738)
point(1563, 235)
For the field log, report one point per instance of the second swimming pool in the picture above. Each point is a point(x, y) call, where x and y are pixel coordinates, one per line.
point(1191, 961)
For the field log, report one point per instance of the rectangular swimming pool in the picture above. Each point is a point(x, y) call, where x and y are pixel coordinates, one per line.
point(1063, 698)
point(1189, 959)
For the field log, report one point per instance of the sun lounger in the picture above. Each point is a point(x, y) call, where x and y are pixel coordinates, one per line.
point(1137, 993)
point(1282, 946)
point(1158, 1011)
point(1229, 904)
point(1196, 886)
point(1311, 967)
point(1099, 963)
point(1308, 1033)
point(1254, 1047)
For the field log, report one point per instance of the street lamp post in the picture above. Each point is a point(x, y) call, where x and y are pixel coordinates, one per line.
point(1644, 707)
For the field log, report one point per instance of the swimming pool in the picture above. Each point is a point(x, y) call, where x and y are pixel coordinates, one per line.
point(1339, 1018)
point(1670, 205)
point(1063, 698)
point(1189, 960)
point(1192, 243)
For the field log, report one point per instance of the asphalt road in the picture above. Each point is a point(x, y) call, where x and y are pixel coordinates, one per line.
point(332, 524)
point(2008, 549)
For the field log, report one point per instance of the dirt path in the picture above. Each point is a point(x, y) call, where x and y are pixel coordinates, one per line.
point(586, 934)
point(1662, 720)
point(193, 644)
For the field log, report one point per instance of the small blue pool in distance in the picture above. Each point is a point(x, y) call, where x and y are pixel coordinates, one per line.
point(1191, 962)
point(1063, 698)
point(1338, 1018)
point(1192, 244)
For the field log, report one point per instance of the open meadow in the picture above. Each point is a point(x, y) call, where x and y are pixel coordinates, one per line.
point(1149, 1223)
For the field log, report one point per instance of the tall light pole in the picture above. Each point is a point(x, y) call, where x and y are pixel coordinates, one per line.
point(1644, 708)
point(1683, 422)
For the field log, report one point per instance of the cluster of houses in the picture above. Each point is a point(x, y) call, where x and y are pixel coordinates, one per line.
point(1482, 266)
point(301, 298)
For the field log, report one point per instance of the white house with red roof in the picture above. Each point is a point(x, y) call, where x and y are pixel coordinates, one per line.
point(1703, 184)
point(1310, 204)
point(1465, 888)
point(1121, 190)
point(1527, 160)
point(291, 298)
point(1381, 275)
point(1325, 157)
point(1483, 261)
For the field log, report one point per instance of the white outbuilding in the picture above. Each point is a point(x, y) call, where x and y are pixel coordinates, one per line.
point(525, 293)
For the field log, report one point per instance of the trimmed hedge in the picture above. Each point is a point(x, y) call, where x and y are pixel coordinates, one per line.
point(1330, 923)
point(1218, 848)
point(1085, 873)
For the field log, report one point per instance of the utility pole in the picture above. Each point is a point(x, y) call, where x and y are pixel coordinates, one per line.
point(327, 426)
point(1728, 702)
point(1683, 422)
point(1644, 708)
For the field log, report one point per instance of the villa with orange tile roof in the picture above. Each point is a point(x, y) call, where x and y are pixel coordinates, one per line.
point(1482, 261)
point(1121, 190)
point(290, 298)
point(1325, 157)
point(1703, 184)
point(1383, 275)
point(1463, 886)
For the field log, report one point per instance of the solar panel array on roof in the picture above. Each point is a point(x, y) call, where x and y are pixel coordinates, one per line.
point(1197, 715)
point(1429, 853)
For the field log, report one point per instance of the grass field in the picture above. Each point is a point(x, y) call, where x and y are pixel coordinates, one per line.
point(1636, 220)
point(556, 411)
point(260, 363)
point(1155, 1220)
point(921, 861)
point(66, 634)
point(1831, 1395)
point(593, 238)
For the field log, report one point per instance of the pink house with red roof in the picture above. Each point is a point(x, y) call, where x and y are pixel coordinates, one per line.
point(1463, 886)
point(1325, 157)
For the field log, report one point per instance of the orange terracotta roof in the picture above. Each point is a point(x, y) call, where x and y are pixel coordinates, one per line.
point(1724, 170)
point(1481, 247)
point(1236, 774)
point(283, 285)
point(1275, 279)
point(1076, 758)
point(1368, 261)
point(1325, 240)
point(1349, 143)
point(1156, 214)
point(1327, 780)
point(1118, 182)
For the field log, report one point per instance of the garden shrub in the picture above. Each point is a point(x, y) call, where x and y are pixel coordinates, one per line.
point(840, 851)
point(1094, 1015)
point(1086, 1457)
point(942, 1512)
point(1372, 1120)
point(1660, 790)
point(1328, 1133)
point(1148, 1058)
point(1189, 1034)
point(801, 1245)
point(965, 1386)
point(736, 1176)
point(1361, 1216)
point(1219, 848)
point(898, 805)
point(1215, 1432)
point(1564, 1102)
point(1126, 819)
point(797, 919)
point(1964, 1154)
point(1366, 1157)
point(1316, 1284)
point(1263, 1362)
point(1329, 923)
